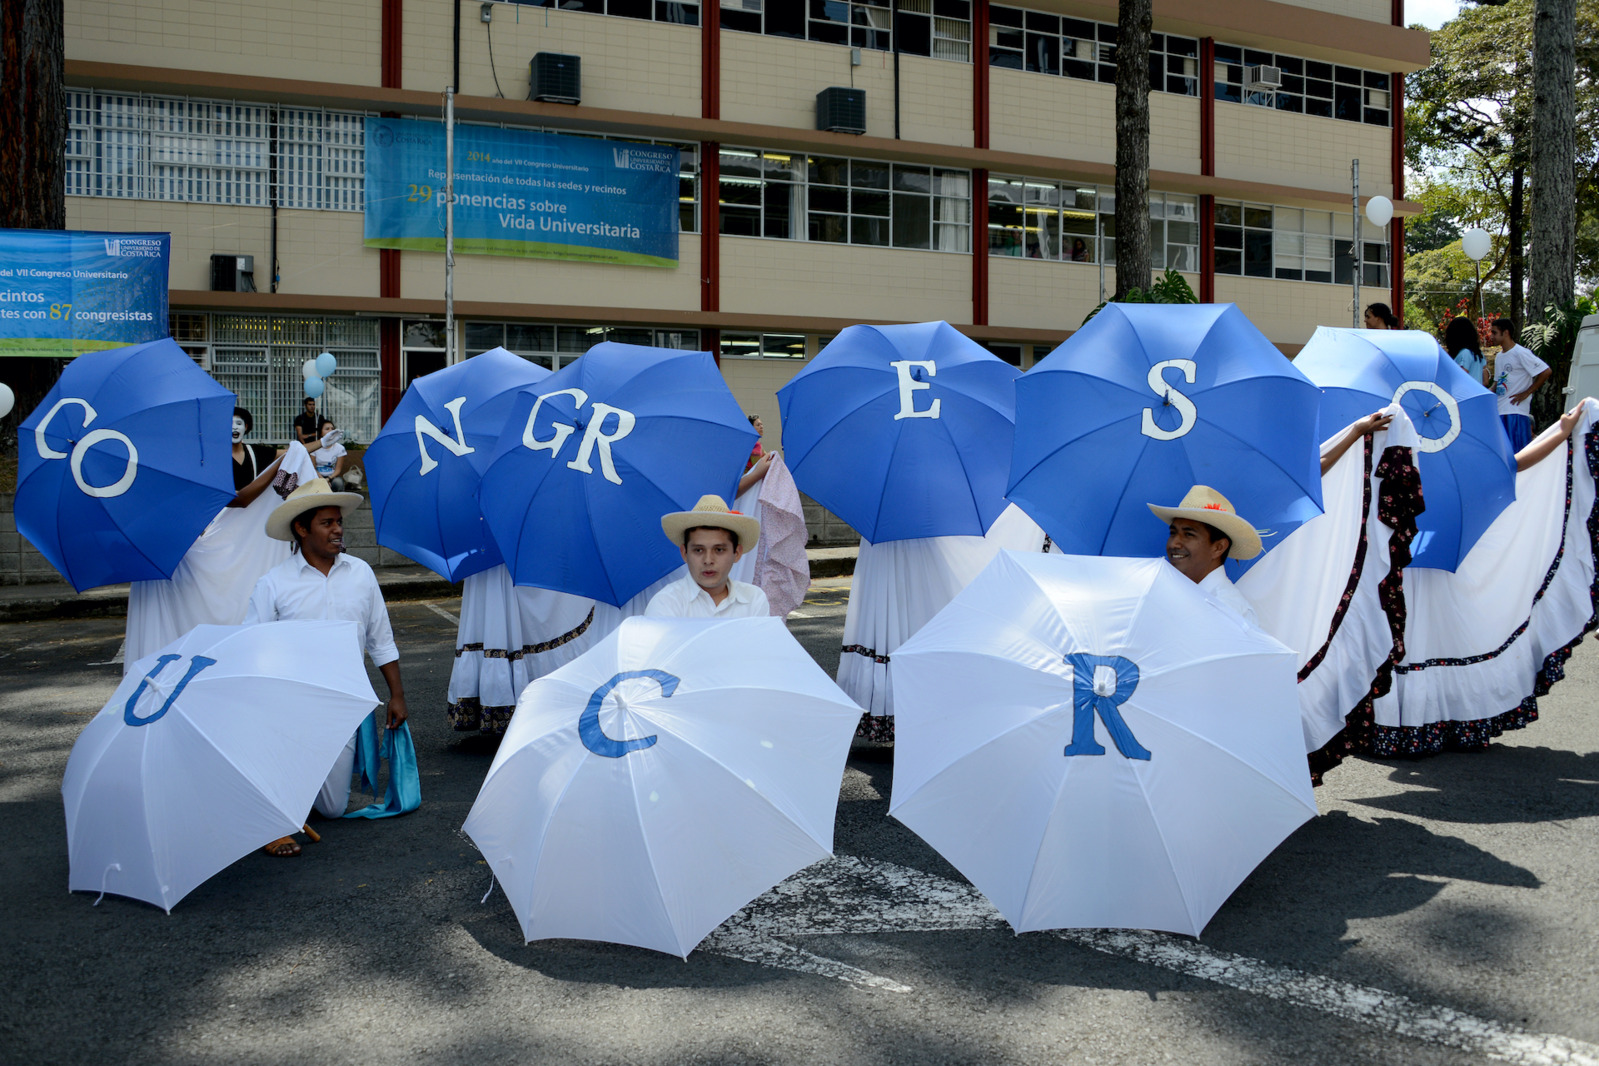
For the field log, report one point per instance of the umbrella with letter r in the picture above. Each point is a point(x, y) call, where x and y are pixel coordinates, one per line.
point(902, 431)
point(1467, 467)
point(124, 464)
point(424, 467)
point(592, 456)
point(209, 749)
point(1095, 743)
point(660, 781)
point(1145, 402)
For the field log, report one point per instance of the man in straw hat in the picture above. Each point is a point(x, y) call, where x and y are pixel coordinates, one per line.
point(320, 581)
point(712, 539)
point(1205, 531)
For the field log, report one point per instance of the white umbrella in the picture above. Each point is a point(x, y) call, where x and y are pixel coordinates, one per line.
point(1095, 743)
point(212, 747)
point(651, 787)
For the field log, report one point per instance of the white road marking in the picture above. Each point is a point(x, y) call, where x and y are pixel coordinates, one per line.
point(442, 613)
point(115, 660)
point(798, 614)
point(854, 896)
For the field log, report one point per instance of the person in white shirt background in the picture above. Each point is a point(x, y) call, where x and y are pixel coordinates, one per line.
point(1205, 530)
point(712, 540)
point(331, 456)
point(1517, 375)
point(320, 581)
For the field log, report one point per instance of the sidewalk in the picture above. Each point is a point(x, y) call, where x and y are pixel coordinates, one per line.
point(56, 600)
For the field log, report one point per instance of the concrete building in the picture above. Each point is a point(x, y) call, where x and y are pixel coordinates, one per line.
point(979, 193)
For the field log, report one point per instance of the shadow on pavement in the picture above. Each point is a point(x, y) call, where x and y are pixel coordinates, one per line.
point(1505, 784)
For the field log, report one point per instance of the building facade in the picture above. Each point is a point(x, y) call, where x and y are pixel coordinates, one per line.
point(981, 192)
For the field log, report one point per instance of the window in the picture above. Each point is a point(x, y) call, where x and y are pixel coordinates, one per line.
point(1037, 219)
point(259, 357)
point(1308, 87)
point(554, 346)
point(682, 12)
point(941, 29)
point(1295, 244)
point(763, 346)
point(844, 201)
point(1076, 48)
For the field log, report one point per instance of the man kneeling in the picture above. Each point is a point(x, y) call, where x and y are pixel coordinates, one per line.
point(712, 539)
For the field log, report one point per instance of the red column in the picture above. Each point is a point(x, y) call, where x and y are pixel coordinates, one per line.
point(710, 61)
point(710, 226)
point(980, 247)
point(980, 73)
point(389, 387)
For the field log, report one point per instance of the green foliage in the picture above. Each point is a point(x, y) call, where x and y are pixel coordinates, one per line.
point(1170, 288)
point(1553, 340)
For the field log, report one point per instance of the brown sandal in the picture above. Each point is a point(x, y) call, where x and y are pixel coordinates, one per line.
point(283, 848)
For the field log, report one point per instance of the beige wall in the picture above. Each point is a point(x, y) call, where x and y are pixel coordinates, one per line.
point(935, 101)
point(1371, 10)
point(1173, 133)
point(628, 65)
point(755, 383)
point(777, 277)
point(1052, 116)
point(1288, 312)
point(508, 279)
point(314, 40)
point(774, 81)
point(1048, 297)
point(1259, 144)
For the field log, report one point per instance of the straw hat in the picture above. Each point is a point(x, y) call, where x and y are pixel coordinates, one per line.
point(1205, 504)
point(310, 496)
point(711, 511)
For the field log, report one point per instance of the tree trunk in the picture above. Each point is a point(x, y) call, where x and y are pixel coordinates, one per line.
point(1516, 240)
point(1133, 22)
point(33, 116)
point(1554, 156)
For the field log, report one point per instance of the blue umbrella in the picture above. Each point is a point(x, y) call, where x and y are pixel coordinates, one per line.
point(124, 464)
point(423, 469)
point(902, 431)
point(1467, 467)
point(592, 457)
point(1148, 400)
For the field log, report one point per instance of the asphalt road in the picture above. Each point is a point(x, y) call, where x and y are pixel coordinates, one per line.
point(1445, 910)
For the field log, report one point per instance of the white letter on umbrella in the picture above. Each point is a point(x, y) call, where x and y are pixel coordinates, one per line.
point(909, 386)
point(81, 448)
point(592, 436)
point(562, 430)
point(1185, 406)
point(457, 446)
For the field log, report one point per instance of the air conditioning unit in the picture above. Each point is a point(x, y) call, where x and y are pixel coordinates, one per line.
point(557, 77)
point(233, 273)
point(841, 110)
point(1263, 77)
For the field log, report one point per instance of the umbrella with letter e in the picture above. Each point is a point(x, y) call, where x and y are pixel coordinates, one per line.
point(651, 787)
point(1095, 743)
point(592, 456)
point(902, 431)
point(424, 467)
point(1145, 402)
point(1467, 467)
point(209, 749)
point(124, 464)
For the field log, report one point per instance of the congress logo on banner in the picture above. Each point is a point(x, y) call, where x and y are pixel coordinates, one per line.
point(66, 292)
point(519, 193)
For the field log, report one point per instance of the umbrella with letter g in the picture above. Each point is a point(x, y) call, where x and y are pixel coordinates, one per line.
point(1095, 743)
point(663, 779)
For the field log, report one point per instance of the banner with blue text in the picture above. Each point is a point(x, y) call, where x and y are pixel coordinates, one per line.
point(66, 292)
point(536, 195)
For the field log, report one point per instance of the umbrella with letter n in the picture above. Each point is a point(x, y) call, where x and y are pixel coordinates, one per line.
point(124, 464)
point(592, 456)
point(1148, 400)
point(651, 787)
point(1467, 467)
point(209, 749)
point(424, 467)
point(1095, 743)
point(902, 431)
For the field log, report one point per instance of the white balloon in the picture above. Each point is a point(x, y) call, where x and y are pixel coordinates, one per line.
point(7, 399)
point(1379, 210)
point(308, 369)
point(1475, 243)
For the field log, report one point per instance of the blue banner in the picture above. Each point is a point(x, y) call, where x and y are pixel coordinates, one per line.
point(66, 292)
point(537, 195)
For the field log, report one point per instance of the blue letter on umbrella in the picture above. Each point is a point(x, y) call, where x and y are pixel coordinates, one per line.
point(588, 723)
point(1087, 699)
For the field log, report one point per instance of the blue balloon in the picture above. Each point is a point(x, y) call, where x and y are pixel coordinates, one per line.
point(314, 387)
point(326, 364)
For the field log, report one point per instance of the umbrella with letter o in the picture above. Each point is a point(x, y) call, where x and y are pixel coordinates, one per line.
point(1095, 743)
point(651, 787)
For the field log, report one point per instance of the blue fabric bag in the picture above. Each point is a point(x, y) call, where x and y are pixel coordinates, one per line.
point(405, 784)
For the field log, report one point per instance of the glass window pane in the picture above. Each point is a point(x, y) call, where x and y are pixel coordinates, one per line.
point(869, 202)
point(481, 336)
point(828, 171)
point(740, 164)
point(863, 175)
point(522, 337)
point(831, 228)
point(913, 222)
point(826, 198)
point(919, 179)
point(1257, 253)
point(783, 211)
point(1257, 217)
point(869, 231)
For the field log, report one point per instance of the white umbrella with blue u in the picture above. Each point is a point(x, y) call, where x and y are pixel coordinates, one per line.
point(902, 431)
point(1146, 401)
point(1467, 466)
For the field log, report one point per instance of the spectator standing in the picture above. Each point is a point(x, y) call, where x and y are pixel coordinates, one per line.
point(1517, 375)
point(1465, 348)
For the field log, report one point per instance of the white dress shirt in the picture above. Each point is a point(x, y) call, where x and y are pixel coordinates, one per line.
point(1219, 588)
point(349, 593)
point(685, 599)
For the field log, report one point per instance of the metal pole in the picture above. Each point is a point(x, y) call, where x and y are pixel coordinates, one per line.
point(1480, 312)
point(1354, 237)
point(449, 226)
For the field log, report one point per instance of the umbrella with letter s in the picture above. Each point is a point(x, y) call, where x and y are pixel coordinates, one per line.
point(1095, 743)
point(1467, 467)
point(124, 464)
point(424, 467)
point(902, 431)
point(651, 787)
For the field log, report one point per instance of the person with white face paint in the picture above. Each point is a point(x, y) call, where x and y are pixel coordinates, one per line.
point(254, 465)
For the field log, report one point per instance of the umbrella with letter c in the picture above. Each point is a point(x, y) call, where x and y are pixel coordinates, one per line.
point(1095, 743)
